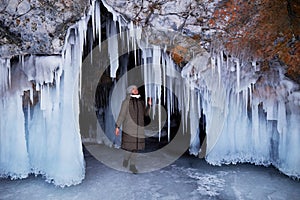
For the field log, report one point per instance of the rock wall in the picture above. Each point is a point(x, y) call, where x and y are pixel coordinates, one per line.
point(250, 30)
point(37, 26)
point(189, 18)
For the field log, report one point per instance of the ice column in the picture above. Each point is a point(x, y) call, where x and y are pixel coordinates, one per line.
point(49, 143)
point(14, 161)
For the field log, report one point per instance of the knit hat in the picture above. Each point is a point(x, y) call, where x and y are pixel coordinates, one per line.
point(130, 88)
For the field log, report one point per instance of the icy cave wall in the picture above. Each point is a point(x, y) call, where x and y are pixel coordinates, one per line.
point(38, 71)
point(248, 87)
point(252, 108)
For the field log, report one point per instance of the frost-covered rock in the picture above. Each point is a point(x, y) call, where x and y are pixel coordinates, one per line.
point(187, 17)
point(37, 27)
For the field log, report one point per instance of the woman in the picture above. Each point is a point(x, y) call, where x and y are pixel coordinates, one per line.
point(131, 118)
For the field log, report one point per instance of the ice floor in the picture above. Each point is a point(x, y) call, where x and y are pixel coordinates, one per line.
point(186, 178)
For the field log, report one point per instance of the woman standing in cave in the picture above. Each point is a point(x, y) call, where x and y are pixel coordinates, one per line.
point(131, 118)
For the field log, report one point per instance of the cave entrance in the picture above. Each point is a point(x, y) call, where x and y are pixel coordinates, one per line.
point(107, 104)
point(106, 85)
point(104, 106)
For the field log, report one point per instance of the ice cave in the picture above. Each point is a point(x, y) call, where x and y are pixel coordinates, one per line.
point(231, 109)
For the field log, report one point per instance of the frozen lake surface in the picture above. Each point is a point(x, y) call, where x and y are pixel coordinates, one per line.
point(186, 178)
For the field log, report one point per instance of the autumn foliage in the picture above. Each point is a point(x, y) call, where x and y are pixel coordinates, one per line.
point(261, 30)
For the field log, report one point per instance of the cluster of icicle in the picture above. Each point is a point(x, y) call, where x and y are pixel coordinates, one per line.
point(250, 116)
point(39, 129)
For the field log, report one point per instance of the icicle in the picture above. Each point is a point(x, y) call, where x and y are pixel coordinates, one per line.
point(82, 30)
point(194, 125)
point(8, 65)
point(227, 62)
point(213, 63)
point(28, 108)
point(222, 58)
point(144, 58)
point(170, 86)
point(120, 25)
point(131, 32)
point(131, 29)
point(282, 119)
point(134, 52)
point(159, 117)
point(31, 95)
point(238, 99)
point(42, 98)
point(199, 104)
point(128, 40)
point(150, 78)
point(22, 61)
point(164, 76)
point(255, 124)
point(111, 10)
point(245, 93)
point(146, 54)
point(91, 43)
point(3, 77)
point(157, 76)
point(169, 114)
point(98, 23)
point(93, 18)
point(250, 94)
point(186, 102)
point(156, 63)
point(219, 68)
point(133, 37)
point(112, 48)
point(37, 87)
point(238, 74)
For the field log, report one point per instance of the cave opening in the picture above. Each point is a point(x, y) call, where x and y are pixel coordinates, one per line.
point(103, 97)
point(131, 61)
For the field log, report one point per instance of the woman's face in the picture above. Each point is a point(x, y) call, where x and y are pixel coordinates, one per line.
point(135, 91)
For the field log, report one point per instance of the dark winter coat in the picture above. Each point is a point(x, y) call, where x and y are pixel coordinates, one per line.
point(131, 118)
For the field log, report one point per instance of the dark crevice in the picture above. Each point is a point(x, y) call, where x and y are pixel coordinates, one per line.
point(12, 37)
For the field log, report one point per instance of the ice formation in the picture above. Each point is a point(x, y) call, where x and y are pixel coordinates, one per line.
point(40, 107)
point(250, 116)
